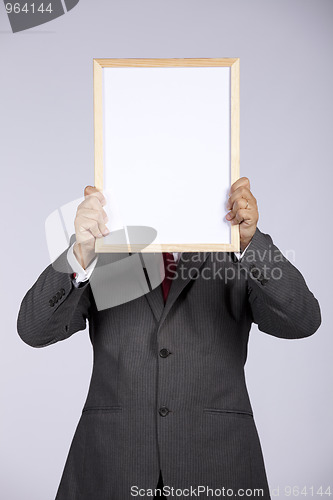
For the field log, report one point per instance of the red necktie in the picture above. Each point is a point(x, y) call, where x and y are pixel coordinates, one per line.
point(169, 267)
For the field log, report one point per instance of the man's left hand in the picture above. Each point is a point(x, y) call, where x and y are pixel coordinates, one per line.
point(243, 210)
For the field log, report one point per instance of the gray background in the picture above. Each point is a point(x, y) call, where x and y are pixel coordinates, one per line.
point(46, 103)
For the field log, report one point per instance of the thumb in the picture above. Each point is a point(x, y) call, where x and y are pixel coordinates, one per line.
point(90, 190)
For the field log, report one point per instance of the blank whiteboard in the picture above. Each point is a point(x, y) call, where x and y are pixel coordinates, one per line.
point(167, 152)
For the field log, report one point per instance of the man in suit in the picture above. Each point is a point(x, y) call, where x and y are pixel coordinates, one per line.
point(167, 401)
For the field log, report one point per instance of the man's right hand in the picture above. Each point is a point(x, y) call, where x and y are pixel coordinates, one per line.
point(89, 224)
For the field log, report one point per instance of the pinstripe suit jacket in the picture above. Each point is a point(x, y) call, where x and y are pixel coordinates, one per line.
point(206, 434)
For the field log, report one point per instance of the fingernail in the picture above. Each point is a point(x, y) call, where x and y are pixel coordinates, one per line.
point(99, 235)
point(106, 231)
point(228, 216)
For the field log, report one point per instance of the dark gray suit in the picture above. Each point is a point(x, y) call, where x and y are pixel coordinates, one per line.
point(168, 388)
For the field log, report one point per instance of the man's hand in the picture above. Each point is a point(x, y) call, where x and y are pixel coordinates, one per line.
point(89, 224)
point(243, 210)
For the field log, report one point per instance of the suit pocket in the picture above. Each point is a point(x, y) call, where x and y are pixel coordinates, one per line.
point(220, 411)
point(101, 409)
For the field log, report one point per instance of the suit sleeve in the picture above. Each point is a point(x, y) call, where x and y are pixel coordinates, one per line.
point(53, 309)
point(281, 303)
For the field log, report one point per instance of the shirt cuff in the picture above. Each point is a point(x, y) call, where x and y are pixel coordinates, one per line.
point(239, 255)
point(79, 274)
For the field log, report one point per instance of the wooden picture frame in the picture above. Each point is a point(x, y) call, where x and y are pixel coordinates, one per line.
point(101, 115)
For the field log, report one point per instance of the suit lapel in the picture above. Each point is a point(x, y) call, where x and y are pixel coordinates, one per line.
point(156, 302)
point(187, 269)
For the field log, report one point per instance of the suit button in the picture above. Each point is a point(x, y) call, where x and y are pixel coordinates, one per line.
point(62, 290)
point(51, 303)
point(55, 298)
point(163, 411)
point(59, 295)
point(254, 271)
point(164, 353)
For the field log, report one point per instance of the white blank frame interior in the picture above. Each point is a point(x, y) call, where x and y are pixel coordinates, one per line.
point(167, 152)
